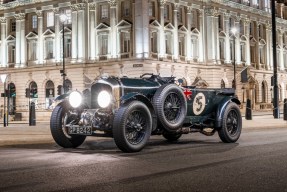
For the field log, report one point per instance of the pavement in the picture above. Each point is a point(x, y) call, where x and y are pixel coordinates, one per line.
point(19, 132)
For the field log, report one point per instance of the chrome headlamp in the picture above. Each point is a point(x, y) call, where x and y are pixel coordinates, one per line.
point(75, 99)
point(104, 99)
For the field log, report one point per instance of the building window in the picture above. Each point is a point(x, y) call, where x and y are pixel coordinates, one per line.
point(104, 11)
point(32, 51)
point(49, 48)
point(194, 47)
point(68, 85)
point(34, 22)
point(11, 54)
point(243, 52)
point(222, 49)
point(222, 85)
point(179, 15)
point(103, 44)
point(13, 25)
point(166, 12)
point(181, 46)
point(154, 42)
point(151, 10)
point(125, 9)
point(50, 19)
point(50, 94)
point(125, 44)
point(220, 25)
point(168, 43)
point(33, 90)
point(68, 50)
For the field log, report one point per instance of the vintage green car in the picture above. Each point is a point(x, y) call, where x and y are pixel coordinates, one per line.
point(132, 109)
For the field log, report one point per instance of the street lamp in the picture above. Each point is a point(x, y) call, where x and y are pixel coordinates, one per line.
point(3, 79)
point(63, 19)
point(234, 30)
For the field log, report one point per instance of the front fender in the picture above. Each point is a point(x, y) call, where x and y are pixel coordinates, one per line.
point(221, 108)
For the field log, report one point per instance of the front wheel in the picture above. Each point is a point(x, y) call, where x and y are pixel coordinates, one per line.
point(231, 124)
point(132, 126)
point(59, 119)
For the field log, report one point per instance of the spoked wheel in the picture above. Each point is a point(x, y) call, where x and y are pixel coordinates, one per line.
point(59, 119)
point(171, 107)
point(231, 124)
point(132, 126)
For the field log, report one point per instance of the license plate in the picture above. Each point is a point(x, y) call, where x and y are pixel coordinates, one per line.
point(80, 130)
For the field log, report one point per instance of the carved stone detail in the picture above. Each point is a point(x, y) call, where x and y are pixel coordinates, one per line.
point(3, 19)
point(20, 16)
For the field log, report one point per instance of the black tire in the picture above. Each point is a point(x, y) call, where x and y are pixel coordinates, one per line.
point(170, 106)
point(59, 118)
point(231, 124)
point(171, 137)
point(132, 126)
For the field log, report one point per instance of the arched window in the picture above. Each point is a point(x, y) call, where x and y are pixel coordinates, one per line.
point(222, 85)
point(68, 85)
point(49, 94)
point(33, 90)
point(12, 99)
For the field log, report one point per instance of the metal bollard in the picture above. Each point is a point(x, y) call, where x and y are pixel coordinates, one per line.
point(32, 115)
point(285, 110)
point(248, 113)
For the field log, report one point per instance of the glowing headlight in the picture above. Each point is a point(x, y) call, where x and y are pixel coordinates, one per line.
point(104, 99)
point(75, 99)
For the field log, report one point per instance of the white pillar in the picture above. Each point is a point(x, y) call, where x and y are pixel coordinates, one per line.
point(237, 44)
point(20, 40)
point(81, 32)
point(40, 49)
point(113, 34)
point(175, 32)
point(201, 39)
point(247, 34)
point(57, 44)
point(188, 34)
point(281, 56)
point(92, 31)
point(211, 49)
point(74, 33)
point(268, 44)
point(3, 42)
point(141, 28)
point(162, 45)
point(227, 40)
point(216, 31)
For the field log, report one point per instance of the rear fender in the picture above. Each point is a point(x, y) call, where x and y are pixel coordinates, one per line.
point(221, 108)
point(140, 97)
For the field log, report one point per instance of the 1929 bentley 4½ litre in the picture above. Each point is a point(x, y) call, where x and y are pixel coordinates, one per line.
point(132, 109)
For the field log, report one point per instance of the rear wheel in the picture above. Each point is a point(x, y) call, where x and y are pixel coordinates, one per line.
point(231, 124)
point(132, 126)
point(59, 119)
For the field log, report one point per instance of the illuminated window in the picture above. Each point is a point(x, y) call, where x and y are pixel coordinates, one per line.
point(104, 11)
point(34, 21)
point(50, 19)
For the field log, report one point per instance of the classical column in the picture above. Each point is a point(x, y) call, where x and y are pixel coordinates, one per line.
point(141, 27)
point(81, 32)
point(211, 49)
point(227, 40)
point(3, 21)
point(281, 55)
point(188, 35)
point(257, 60)
point(92, 31)
point(268, 46)
point(216, 33)
point(175, 32)
point(201, 37)
point(57, 44)
point(40, 49)
point(237, 42)
point(74, 9)
point(113, 23)
point(247, 47)
point(162, 48)
point(20, 40)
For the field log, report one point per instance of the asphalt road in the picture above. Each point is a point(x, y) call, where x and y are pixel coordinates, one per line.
point(257, 162)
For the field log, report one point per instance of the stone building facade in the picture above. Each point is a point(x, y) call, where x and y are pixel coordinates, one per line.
point(189, 39)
